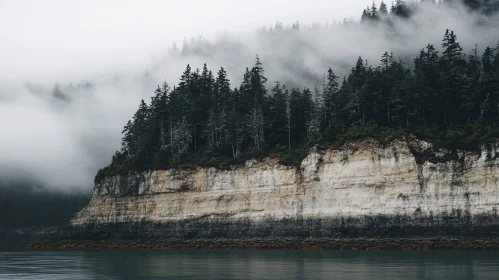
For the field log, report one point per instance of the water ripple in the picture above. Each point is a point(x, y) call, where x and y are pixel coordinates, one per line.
point(248, 264)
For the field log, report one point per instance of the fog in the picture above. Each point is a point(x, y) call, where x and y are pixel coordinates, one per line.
point(107, 55)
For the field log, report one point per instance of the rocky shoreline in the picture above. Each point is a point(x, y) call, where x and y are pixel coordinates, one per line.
point(425, 244)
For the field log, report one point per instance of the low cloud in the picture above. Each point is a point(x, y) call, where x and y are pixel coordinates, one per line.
point(60, 138)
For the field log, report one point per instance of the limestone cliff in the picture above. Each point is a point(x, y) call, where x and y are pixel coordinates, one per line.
point(361, 189)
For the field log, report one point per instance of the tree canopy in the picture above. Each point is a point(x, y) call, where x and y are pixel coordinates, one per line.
point(447, 96)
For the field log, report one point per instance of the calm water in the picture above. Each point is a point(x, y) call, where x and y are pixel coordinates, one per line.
point(248, 264)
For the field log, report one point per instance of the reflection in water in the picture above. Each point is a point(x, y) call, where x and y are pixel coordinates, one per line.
point(247, 264)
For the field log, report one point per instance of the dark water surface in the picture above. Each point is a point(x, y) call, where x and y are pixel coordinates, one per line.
point(248, 264)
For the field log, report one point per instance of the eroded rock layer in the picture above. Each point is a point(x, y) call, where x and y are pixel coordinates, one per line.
point(406, 188)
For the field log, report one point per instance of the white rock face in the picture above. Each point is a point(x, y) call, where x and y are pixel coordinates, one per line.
point(333, 189)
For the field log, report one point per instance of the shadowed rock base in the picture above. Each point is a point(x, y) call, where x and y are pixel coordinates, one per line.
point(367, 233)
point(367, 226)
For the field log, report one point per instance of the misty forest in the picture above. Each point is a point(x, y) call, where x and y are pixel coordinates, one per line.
point(447, 95)
point(308, 84)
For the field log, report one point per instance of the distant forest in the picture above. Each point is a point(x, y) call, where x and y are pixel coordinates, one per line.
point(448, 97)
point(405, 9)
point(26, 207)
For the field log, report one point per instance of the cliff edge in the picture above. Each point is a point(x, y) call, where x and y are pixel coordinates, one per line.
point(364, 188)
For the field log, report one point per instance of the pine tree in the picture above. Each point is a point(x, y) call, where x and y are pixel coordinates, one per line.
point(374, 12)
point(452, 49)
point(288, 117)
point(356, 102)
point(216, 128)
point(331, 91)
point(474, 65)
point(386, 61)
point(365, 15)
point(300, 103)
point(427, 80)
point(488, 60)
point(158, 112)
point(141, 139)
point(236, 131)
point(496, 60)
point(57, 93)
point(490, 87)
point(278, 119)
point(452, 82)
point(472, 94)
point(383, 9)
point(127, 142)
point(185, 79)
point(257, 90)
point(400, 9)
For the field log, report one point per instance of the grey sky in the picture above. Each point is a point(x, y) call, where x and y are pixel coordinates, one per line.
point(43, 37)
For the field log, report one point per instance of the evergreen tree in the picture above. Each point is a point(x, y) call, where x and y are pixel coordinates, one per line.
point(374, 12)
point(383, 9)
point(288, 116)
point(366, 14)
point(330, 95)
point(257, 90)
point(214, 100)
point(451, 82)
point(127, 142)
point(57, 93)
point(400, 9)
point(158, 111)
point(141, 138)
point(488, 60)
point(496, 59)
point(452, 49)
point(235, 129)
point(279, 102)
point(427, 84)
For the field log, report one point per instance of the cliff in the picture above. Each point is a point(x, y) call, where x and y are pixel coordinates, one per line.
point(406, 188)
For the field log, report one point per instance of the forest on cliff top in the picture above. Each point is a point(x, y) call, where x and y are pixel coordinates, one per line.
point(447, 95)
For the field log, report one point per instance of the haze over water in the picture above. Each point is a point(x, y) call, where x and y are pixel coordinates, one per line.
point(246, 264)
